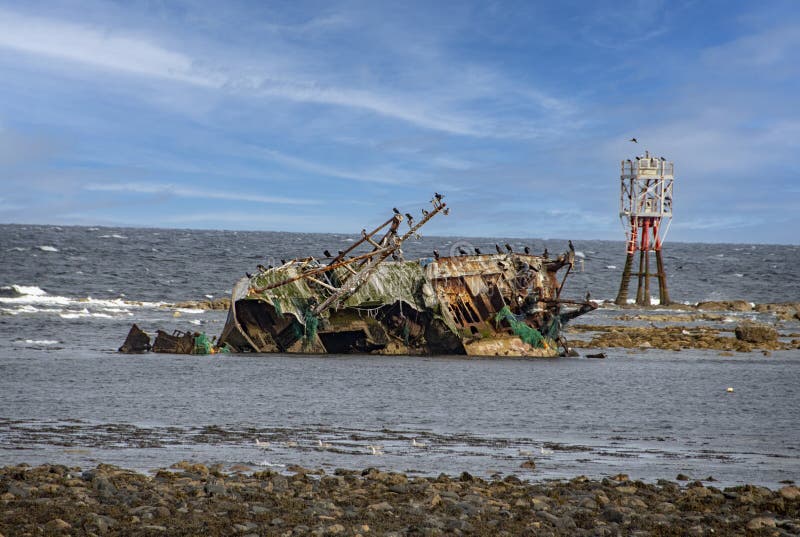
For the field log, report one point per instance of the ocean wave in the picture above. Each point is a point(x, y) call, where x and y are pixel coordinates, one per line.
point(20, 290)
point(47, 248)
point(83, 314)
point(16, 299)
point(44, 342)
point(113, 236)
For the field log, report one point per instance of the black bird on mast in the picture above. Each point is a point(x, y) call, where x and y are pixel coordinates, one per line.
point(326, 253)
point(396, 211)
point(571, 247)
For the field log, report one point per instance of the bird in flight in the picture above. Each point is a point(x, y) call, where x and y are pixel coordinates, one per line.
point(634, 140)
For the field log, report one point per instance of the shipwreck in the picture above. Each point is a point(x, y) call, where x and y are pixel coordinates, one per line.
point(368, 299)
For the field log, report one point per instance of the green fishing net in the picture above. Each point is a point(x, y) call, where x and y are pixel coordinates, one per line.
point(529, 335)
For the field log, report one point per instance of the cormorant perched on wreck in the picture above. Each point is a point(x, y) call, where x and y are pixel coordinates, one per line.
point(436, 254)
point(424, 213)
point(261, 268)
point(527, 249)
point(326, 253)
point(588, 295)
point(508, 247)
point(478, 251)
point(396, 211)
point(248, 274)
point(497, 247)
point(283, 261)
point(571, 247)
point(410, 219)
point(438, 197)
point(462, 251)
point(394, 256)
point(545, 255)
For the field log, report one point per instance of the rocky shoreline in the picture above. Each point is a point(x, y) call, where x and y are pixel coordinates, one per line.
point(705, 325)
point(192, 499)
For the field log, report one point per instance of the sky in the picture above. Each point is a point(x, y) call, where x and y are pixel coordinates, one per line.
point(322, 116)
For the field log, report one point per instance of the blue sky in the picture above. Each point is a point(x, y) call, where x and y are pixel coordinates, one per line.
point(321, 116)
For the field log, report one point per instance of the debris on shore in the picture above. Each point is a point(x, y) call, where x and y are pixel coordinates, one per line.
point(193, 499)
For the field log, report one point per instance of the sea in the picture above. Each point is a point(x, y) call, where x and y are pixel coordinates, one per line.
point(68, 296)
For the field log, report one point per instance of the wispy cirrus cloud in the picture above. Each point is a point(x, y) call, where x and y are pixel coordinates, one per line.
point(134, 54)
point(185, 191)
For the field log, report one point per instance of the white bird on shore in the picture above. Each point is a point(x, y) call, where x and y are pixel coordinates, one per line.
point(376, 450)
point(324, 445)
point(262, 445)
point(417, 444)
point(544, 451)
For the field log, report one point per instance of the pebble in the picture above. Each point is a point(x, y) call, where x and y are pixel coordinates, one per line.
point(188, 500)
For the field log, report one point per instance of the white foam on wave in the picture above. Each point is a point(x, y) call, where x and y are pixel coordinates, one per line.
point(17, 249)
point(31, 290)
point(32, 299)
point(113, 236)
point(580, 254)
point(47, 248)
point(191, 311)
point(38, 341)
point(83, 314)
point(611, 267)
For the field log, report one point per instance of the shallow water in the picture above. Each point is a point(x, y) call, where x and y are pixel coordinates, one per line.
point(66, 396)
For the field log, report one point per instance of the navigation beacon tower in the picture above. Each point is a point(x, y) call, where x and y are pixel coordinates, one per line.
point(646, 213)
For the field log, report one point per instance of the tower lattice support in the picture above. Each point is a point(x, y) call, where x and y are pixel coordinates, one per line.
point(644, 238)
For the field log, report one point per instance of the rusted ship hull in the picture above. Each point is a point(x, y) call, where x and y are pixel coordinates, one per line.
point(367, 299)
point(479, 305)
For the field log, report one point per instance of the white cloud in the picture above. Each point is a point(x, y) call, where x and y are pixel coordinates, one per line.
point(766, 49)
point(96, 48)
point(184, 191)
point(373, 176)
point(440, 109)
